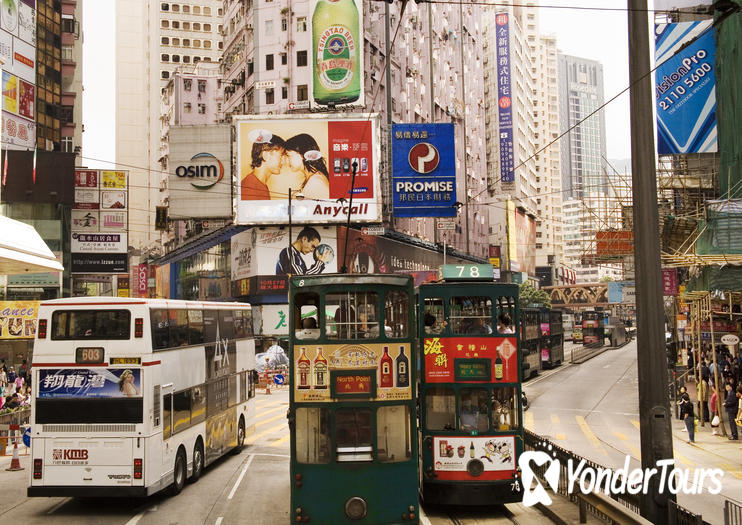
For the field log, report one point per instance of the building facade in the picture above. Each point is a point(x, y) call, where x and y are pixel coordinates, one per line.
point(71, 112)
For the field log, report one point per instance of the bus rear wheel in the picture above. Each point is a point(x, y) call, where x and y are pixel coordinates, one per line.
point(198, 461)
point(179, 473)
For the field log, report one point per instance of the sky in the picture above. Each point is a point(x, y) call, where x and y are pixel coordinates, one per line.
point(598, 35)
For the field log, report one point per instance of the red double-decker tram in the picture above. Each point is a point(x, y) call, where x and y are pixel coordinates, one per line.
point(470, 425)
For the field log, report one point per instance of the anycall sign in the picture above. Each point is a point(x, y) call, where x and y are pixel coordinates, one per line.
point(440, 355)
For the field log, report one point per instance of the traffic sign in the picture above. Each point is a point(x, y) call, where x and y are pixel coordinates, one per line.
point(278, 379)
point(373, 230)
point(446, 225)
point(27, 437)
point(730, 339)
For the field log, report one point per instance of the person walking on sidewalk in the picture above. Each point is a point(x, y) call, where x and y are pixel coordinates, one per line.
point(686, 414)
point(703, 400)
point(731, 404)
point(714, 411)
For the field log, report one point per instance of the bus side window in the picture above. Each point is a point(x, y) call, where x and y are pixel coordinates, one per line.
point(178, 328)
point(156, 405)
point(160, 329)
point(198, 404)
point(195, 327)
point(253, 382)
point(167, 402)
point(181, 410)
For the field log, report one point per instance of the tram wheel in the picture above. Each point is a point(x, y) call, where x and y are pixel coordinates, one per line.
point(180, 473)
point(198, 461)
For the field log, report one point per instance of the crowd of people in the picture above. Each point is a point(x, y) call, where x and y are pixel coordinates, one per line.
point(726, 371)
point(15, 386)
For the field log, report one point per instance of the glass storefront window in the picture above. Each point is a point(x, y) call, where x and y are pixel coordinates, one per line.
point(393, 434)
point(473, 410)
point(504, 408)
point(313, 435)
point(440, 408)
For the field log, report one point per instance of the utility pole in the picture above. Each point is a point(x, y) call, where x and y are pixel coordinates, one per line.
point(654, 411)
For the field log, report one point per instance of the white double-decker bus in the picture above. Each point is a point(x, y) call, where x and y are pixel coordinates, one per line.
point(132, 396)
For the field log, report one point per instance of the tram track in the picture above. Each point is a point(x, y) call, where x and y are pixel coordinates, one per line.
point(489, 515)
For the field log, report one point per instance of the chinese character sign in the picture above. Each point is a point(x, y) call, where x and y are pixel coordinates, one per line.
point(440, 356)
point(504, 98)
point(424, 178)
point(89, 382)
point(685, 88)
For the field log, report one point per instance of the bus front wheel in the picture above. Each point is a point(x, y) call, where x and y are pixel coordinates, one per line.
point(179, 473)
point(240, 436)
point(198, 461)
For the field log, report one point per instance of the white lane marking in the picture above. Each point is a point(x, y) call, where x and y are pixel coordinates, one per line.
point(423, 517)
point(242, 475)
point(135, 519)
point(218, 521)
point(57, 506)
point(272, 455)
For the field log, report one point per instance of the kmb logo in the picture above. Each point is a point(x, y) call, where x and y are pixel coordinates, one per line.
point(70, 453)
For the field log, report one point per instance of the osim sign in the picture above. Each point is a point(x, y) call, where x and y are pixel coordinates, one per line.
point(202, 170)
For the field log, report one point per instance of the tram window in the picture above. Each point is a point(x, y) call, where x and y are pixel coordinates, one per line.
point(440, 408)
point(471, 315)
point(504, 408)
point(396, 314)
point(198, 404)
point(312, 435)
point(195, 327)
point(306, 321)
point(473, 410)
point(434, 315)
point(355, 315)
point(393, 434)
point(353, 434)
point(505, 315)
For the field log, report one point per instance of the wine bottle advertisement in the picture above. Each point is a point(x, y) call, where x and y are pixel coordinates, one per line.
point(445, 357)
point(453, 454)
point(385, 366)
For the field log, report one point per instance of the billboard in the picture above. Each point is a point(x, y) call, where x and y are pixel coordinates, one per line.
point(314, 157)
point(337, 54)
point(685, 88)
point(266, 252)
point(521, 240)
point(18, 319)
point(424, 170)
point(620, 242)
point(504, 98)
point(200, 178)
point(89, 382)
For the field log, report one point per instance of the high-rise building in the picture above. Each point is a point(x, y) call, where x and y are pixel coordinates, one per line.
point(153, 39)
point(71, 114)
point(49, 73)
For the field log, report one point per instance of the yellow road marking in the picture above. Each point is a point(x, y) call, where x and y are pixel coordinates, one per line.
point(261, 413)
point(591, 437)
point(269, 420)
point(636, 423)
point(528, 421)
point(561, 437)
point(281, 441)
point(555, 419)
point(636, 452)
point(732, 469)
point(682, 458)
point(266, 432)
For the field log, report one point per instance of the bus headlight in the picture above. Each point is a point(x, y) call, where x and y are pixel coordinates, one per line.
point(356, 508)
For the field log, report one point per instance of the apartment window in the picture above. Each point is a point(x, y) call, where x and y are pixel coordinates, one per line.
point(206, 59)
point(176, 8)
point(196, 26)
point(187, 84)
point(164, 7)
point(301, 58)
point(196, 43)
point(539, 246)
point(176, 58)
point(187, 107)
point(176, 41)
point(165, 58)
point(68, 25)
point(207, 27)
point(284, 59)
point(301, 24)
point(68, 53)
point(196, 60)
point(186, 59)
point(284, 92)
point(165, 41)
point(207, 44)
point(302, 92)
point(176, 24)
point(207, 11)
point(202, 109)
point(268, 62)
point(269, 27)
point(186, 42)
point(186, 9)
point(164, 74)
point(165, 24)
point(67, 145)
point(220, 45)
point(187, 26)
point(250, 68)
point(202, 86)
point(196, 10)
point(269, 96)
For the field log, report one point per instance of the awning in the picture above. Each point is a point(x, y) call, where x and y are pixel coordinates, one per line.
point(23, 250)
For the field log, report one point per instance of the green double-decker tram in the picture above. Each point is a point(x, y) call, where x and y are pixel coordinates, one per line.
point(352, 406)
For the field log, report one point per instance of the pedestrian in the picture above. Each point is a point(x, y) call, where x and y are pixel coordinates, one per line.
point(691, 360)
point(681, 393)
point(714, 412)
point(703, 400)
point(705, 371)
point(731, 406)
point(686, 414)
point(738, 419)
point(12, 375)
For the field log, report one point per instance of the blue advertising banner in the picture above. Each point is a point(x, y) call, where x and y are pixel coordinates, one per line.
point(424, 170)
point(504, 101)
point(90, 382)
point(685, 88)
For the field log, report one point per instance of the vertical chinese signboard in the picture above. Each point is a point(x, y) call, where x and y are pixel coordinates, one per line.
point(504, 98)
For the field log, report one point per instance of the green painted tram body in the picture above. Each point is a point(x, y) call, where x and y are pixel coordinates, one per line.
point(337, 474)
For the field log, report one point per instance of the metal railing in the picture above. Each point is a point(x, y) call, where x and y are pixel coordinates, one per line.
point(627, 506)
point(732, 512)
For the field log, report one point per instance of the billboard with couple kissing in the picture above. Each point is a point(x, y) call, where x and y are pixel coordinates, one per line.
point(314, 157)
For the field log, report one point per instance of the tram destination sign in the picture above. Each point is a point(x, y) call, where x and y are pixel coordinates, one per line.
point(467, 272)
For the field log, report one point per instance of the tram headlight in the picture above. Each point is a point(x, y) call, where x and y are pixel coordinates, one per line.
point(356, 508)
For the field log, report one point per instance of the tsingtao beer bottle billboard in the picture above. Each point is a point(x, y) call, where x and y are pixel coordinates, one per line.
point(337, 54)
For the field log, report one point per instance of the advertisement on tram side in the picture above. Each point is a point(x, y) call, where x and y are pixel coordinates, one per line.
point(471, 359)
point(375, 372)
point(452, 455)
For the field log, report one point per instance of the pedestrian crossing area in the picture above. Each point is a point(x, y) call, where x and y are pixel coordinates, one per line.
point(271, 428)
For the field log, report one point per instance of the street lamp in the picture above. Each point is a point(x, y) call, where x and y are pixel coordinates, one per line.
point(299, 196)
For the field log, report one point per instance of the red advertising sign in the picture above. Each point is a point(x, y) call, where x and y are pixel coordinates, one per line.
point(276, 283)
point(142, 276)
point(669, 281)
point(441, 355)
point(350, 142)
point(86, 178)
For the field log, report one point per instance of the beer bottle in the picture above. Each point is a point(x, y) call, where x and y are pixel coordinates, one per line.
point(471, 449)
point(337, 49)
point(303, 365)
point(320, 370)
point(403, 364)
point(385, 368)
